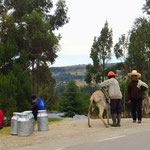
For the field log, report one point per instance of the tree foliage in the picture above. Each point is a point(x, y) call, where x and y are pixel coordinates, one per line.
point(121, 48)
point(72, 101)
point(100, 54)
point(93, 75)
point(146, 7)
point(101, 48)
point(31, 24)
point(138, 46)
point(28, 45)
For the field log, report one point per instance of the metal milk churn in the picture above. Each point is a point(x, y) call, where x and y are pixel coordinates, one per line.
point(23, 125)
point(14, 123)
point(31, 121)
point(42, 120)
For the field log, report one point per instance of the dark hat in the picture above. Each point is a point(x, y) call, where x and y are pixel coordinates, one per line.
point(33, 96)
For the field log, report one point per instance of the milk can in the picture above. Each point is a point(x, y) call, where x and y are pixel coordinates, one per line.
point(42, 120)
point(14, 123)
point(31, 121)
point(23, 125)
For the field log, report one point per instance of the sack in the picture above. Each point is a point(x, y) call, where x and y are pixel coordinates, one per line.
point(41, 104)
point(145, 94)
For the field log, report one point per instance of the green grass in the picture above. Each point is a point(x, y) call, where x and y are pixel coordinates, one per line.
point(6, 130)
point(52, 120)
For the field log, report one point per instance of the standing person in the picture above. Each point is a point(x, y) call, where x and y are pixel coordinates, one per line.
point(136, 89)
point(35, 106)
point(1, 119)
point(115, 97)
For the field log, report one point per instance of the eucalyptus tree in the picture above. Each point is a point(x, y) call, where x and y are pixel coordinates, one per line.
point(28, 45)
point(138, 45)
point(93, 74)
point(34, 36)
point(101, 53)
point(102, 46)
point(15, 85)
point(146, 7)
point(121, 48)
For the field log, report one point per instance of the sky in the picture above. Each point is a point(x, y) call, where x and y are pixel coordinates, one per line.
point(87, 18)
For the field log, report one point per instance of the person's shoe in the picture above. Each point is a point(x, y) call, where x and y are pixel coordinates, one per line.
point(134, 121)
point(114, 120)
point(118, 120)
point(113, 125)
point(139, 121)
point(118, 125)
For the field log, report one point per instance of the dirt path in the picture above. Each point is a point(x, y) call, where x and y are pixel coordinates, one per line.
point(71, 129)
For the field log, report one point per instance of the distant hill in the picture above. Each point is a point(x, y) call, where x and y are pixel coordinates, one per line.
point(75, 68)
point(76, 72)
point(63, 74)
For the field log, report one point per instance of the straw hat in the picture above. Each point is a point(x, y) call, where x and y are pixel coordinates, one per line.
point(134, 73)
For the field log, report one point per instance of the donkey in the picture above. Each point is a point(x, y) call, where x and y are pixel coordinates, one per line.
point(146, 106)
point(98, 99)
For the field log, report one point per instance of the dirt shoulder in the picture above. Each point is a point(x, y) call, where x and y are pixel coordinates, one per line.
point(75, 130)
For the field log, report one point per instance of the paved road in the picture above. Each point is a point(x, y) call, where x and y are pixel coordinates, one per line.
point(138, 141)
point(130, 136)
point(134, 141)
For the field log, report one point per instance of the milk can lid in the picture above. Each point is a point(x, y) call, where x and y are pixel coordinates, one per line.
point(41, 110)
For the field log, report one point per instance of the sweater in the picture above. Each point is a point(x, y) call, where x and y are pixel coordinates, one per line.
point(113, 88)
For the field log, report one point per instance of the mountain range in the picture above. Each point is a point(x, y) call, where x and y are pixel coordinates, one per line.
point(75, 72)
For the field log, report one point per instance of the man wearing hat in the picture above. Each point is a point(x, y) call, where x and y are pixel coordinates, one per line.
point(115, 97)
point(136, 89)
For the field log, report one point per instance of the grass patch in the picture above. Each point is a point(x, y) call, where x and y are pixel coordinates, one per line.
point(53, 120)
point(5, 131)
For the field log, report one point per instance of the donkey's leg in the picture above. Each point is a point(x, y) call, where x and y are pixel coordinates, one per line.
point(101, 110)
point(89, 114)
point(108, 114)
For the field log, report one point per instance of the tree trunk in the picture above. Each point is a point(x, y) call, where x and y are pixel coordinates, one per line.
point(37, 88)
point(33, 79)
point(103, 67)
